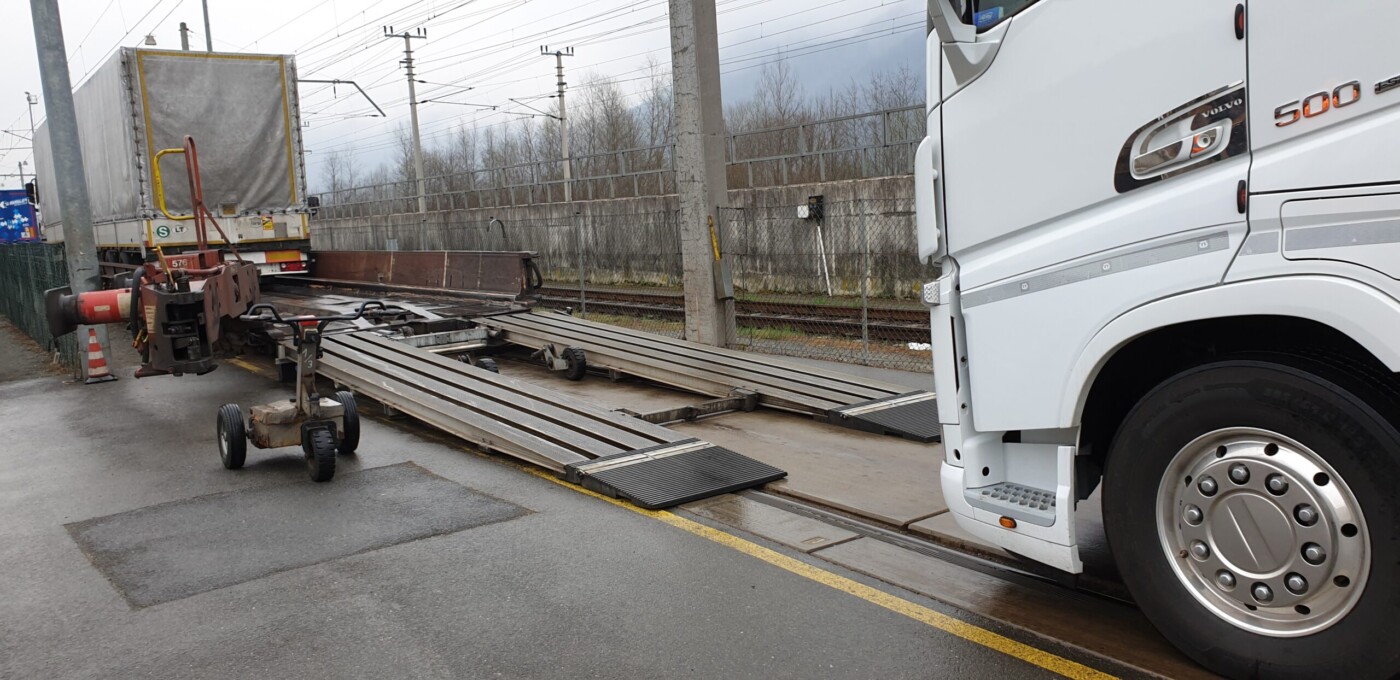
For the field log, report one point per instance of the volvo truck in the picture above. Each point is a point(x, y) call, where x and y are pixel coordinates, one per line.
point(242, 108)
point(1168, 234)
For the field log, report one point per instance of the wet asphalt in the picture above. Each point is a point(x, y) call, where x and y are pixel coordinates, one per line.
point(126, 550)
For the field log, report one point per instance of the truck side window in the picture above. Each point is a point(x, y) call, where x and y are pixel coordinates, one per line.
point(989, 13)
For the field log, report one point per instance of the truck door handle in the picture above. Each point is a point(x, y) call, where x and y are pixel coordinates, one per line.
point(1200, 144)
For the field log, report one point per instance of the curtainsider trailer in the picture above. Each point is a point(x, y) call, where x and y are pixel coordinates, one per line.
point(243, 110)
point(1169, 240)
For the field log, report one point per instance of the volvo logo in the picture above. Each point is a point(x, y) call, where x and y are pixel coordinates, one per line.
point(1222, 108)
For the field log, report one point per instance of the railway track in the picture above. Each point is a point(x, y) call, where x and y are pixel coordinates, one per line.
point(897, 325)
point(892, 325)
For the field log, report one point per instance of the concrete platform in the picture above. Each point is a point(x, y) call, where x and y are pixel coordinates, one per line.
point(792, 530)
point(874, 477)
point(886, 479)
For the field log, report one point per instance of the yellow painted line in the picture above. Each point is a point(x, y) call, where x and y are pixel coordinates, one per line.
point(962, 629)
point(250, 367)
point(922, 614)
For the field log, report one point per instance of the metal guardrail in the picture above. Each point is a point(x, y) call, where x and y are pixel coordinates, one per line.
point(861, 146)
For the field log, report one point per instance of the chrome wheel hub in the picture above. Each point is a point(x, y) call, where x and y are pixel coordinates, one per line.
point(1263, 532)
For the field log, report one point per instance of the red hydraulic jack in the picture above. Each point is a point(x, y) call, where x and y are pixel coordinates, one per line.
point(176, 304)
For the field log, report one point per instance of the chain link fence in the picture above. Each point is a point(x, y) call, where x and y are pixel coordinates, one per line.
point(26, 271)
point(874, 144)
point(840, 284)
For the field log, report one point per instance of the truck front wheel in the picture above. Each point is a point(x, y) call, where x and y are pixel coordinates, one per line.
point(1251, 507)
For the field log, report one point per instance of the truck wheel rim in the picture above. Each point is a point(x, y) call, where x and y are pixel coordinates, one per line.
point(1263, 532)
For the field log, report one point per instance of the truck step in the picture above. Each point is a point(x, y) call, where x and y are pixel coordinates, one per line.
point(1017, 501)
point(671, 474)
point(913, 416)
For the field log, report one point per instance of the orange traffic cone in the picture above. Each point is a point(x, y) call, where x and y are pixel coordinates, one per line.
point(97, 363)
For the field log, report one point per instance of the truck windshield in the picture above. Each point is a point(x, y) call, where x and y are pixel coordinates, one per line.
point(982, 14)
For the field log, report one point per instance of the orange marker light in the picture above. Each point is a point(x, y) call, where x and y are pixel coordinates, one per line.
point(1008, 522)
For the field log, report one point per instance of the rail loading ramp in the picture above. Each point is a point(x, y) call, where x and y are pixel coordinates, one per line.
point(830, 396)
point(604, 451)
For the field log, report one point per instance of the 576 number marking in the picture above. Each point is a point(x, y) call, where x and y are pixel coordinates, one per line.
point(1317, 104)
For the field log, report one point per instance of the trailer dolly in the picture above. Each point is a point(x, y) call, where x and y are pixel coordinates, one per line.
point(322, 426)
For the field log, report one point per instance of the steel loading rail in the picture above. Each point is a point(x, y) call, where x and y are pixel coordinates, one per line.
point(605, 451)
point(830, 396)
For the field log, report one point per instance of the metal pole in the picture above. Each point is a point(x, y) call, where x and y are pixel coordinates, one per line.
point(21, 174)
point(563, 119)
point(32, 99)
point(184, 36)
point(564, 134)
point(208, 37)
point(700, 172)
point(864, 286)
point(413, 114)
point(67, 153)
point(582, 266)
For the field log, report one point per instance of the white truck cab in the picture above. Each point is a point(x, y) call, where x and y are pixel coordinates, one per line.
point(1169, 238)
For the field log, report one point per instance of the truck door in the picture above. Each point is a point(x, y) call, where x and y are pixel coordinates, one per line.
point(1325, 123)
point(1102, 136)
point(1324, 85)
point(1091, 101)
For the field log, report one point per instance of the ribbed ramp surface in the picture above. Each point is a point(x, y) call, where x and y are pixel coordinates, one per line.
point(539, 425)
point(672, 474)
point(714, 371)
point(913, 416)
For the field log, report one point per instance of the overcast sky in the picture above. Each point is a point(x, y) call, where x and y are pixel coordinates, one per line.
point(489, 45)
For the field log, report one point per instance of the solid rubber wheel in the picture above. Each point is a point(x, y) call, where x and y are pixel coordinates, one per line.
point(489, 364)
point(320, 454)
point(1249, 504)
point(350, 423)
point(577, 363)
point(233, 438)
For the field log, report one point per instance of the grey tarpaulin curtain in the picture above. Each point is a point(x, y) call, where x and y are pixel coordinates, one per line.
point(238, 110)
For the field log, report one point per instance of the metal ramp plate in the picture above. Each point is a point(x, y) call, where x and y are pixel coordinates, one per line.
point(672, 474)
point(718, 372)
point(913, 416)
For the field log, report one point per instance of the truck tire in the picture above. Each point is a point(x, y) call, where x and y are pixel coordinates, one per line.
point(350, 423)
point(1250, 505)
point(233, 438)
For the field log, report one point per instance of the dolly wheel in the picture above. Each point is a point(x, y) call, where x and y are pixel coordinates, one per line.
point(489, 364)
point(233, 438)
point(350, 432)
point(577, 363)
point(320, 454)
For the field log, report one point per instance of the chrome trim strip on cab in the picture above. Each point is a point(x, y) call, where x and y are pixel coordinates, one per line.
point(1128, 261)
